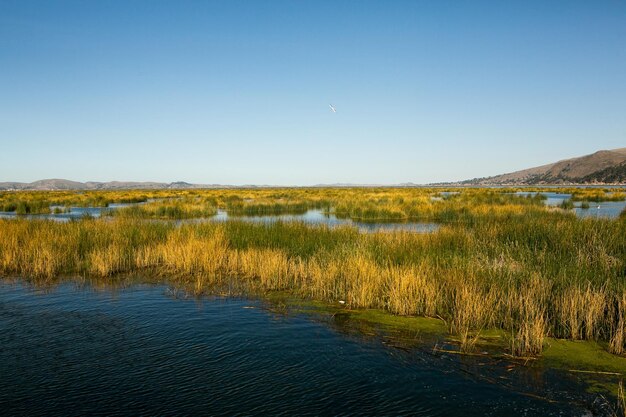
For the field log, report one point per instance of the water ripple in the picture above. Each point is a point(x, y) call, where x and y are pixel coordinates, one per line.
point(72, 351)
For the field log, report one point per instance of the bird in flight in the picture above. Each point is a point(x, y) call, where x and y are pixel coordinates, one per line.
point(332, 108)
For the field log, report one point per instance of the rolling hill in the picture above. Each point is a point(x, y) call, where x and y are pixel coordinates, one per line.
point(602, 167)
point(599, 168)
point(59, 185)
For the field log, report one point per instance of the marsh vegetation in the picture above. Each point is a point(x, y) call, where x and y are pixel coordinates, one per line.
point(498, 261)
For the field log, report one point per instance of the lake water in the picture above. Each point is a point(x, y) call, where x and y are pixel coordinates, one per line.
point(607, 209)
point(314, 217)
point(604, 209)
point(319, 217)
point(73, 213)
point(75, 350)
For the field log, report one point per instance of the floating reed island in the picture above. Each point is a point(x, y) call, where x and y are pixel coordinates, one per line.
point(498, 260)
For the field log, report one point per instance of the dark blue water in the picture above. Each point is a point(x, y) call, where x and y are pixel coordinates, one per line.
point(142, 350)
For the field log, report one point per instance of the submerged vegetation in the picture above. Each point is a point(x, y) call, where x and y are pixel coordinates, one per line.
point(499, 260)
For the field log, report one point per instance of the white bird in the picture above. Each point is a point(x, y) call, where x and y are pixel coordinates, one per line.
point(332, 108)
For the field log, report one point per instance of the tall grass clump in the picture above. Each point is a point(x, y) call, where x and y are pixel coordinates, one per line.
point(266, 208)
point(167, 209)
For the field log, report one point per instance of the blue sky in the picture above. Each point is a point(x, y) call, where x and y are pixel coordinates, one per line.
point(237, 92)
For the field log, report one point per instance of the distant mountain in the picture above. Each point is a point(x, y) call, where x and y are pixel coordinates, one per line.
point(602, 167)
point(60, 185)
point(55, 184)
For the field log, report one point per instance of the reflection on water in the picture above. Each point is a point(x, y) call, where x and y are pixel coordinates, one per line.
point(607, 209)
point(142, 350)
point(604, 209)
point(315, 217)
point(319, 217)
point(552, 199)
point(73, 213)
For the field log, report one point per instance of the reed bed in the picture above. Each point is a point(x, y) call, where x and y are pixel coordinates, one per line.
point(177, 209)
point(265, 207)
point(9, 200)
point(598, 195)
point(498, 261)
point(361, 204)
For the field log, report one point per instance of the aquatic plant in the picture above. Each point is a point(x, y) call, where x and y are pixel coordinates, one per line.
point(257, 208)
point(567, 204)
point(166, 209)
point(499, 260)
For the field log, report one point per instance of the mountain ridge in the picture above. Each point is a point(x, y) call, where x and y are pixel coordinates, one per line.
point(57, 184)
point(603, 167)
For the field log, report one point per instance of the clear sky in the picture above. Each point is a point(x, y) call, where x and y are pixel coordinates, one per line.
point(237, 92)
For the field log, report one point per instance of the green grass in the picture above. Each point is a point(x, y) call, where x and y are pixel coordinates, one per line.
point(267, 208)
point(168, 209)
point(567, 204)
point(499, 261)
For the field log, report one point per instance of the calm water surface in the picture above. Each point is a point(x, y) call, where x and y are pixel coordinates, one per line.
point(607, 209)
point(316, 217)
point(143, 350)
point(604, 209)
point(73, 213)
